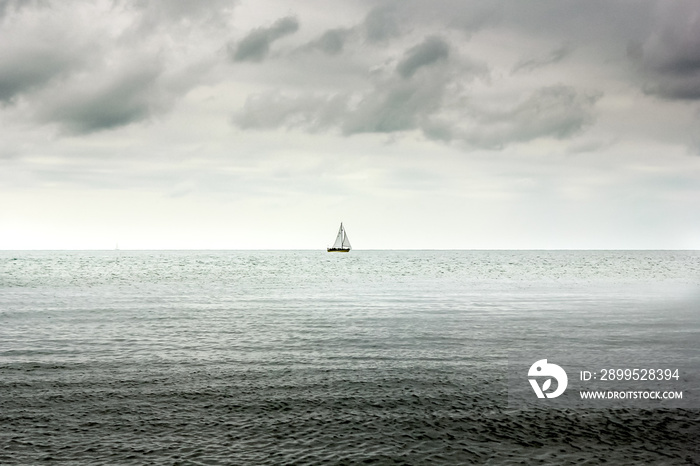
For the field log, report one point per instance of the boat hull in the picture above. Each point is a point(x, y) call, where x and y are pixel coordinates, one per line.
point(337, 250)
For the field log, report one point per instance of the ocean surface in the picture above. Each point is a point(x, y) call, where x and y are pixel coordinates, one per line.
point(305, 357)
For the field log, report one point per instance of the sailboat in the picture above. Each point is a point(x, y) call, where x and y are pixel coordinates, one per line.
point(342, 243)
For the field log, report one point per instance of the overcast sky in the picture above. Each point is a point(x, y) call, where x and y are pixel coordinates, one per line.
point(419, 124)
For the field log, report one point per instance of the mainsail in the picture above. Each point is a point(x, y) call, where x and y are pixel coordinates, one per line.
point(342, 241)
point(346, 242)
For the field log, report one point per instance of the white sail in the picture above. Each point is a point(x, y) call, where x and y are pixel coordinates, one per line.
point(339, 239)
point(342, 243)
point(346, 241)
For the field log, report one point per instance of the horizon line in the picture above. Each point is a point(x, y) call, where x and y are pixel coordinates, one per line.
point(356, 250)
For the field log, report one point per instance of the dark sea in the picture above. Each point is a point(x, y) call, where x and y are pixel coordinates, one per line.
point(306, 357)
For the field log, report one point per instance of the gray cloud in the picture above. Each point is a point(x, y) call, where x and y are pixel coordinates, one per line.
point(433, 102)
point(118, 101)
point(378, 26)
point(381, 24)
point(395, 106)
point(530, 64)
point(30, 68)
point(332, 41)
point(5, 5)
point(37, 49)
point(431, 50)
point(575, 21)
point(256, 45)
point(598, 23)
point(399, 101)
point(555, 112)
point(670, 57)
point(86, 77)
point(369, 90)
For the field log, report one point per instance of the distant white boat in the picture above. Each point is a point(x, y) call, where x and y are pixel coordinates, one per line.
point(342, 243)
